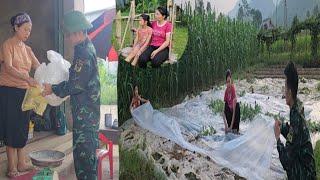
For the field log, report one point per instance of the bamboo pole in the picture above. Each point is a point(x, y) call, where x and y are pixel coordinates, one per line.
point(118, 28)
point(132, 17)
point(127, 26)
point(171, 8)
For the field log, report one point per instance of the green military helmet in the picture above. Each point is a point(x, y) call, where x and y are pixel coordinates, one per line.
point(75, 21)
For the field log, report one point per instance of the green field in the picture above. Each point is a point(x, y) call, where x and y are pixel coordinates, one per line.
point(108, 85)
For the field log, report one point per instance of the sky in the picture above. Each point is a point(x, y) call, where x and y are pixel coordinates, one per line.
point(223, 6)
point(94, 5)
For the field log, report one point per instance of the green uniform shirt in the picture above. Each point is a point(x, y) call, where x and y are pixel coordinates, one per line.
point(296, 156)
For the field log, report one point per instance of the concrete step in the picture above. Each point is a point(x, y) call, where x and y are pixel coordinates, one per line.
point(52, 142)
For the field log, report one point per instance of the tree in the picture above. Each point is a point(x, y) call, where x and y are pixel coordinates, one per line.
point(240, 15)
point(142, 6)
point(120, 4)
point(209, 9)
point(308, 14)
point(256, 17)
point(199, 6)
point(293, 31)
point(153, 4)
point(316, 10)
point(163, 3)
point(246, 7)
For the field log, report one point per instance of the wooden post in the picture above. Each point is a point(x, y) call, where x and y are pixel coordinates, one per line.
point(132, 17)
point(127, 26)
point(118, 28)
point(171, 8)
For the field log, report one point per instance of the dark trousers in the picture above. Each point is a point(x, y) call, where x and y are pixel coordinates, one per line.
point(161, 57)
point(14, 123)
point(228, 113)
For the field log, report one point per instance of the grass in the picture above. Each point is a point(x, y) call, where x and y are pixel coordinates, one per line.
point(108, 95)
point(180, 39)
point(134, 166)
point(108, 85)
point(280, 51)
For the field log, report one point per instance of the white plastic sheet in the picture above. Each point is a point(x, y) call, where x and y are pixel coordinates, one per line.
point(249, 155)
point(162, 125)
point(55, 72)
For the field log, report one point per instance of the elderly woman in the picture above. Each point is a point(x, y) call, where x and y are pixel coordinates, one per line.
point(16, 63)
point(158, 50)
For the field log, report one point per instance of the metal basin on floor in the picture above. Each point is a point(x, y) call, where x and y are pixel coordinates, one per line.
point(47, 158)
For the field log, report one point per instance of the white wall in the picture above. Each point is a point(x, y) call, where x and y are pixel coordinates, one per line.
point(94, 5)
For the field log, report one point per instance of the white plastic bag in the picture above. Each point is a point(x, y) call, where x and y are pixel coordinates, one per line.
point(53, 73)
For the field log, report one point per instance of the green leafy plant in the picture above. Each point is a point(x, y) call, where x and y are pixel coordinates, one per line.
point(317, 157)
point(276, 116)
point(217, 106)
point(305, 90)
point(242, 93)
point(207, 131)
point(264, 88)
point(135, 166)
point(247, 112)
point(303, 80)
point(313, 126)
point(318, 87)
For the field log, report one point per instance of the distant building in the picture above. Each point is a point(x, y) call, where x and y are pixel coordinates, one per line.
point(267, 24)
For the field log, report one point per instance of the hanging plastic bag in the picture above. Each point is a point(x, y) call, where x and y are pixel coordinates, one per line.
point(53, 73)
point(33, 100)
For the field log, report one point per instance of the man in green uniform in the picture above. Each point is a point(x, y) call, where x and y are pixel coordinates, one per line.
point(296, 156)
point(83, 87)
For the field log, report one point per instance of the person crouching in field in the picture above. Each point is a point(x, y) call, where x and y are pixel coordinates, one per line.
point(296, 156)
point(231, 115)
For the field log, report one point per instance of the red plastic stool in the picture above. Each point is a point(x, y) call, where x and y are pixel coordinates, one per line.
point(103, 153)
